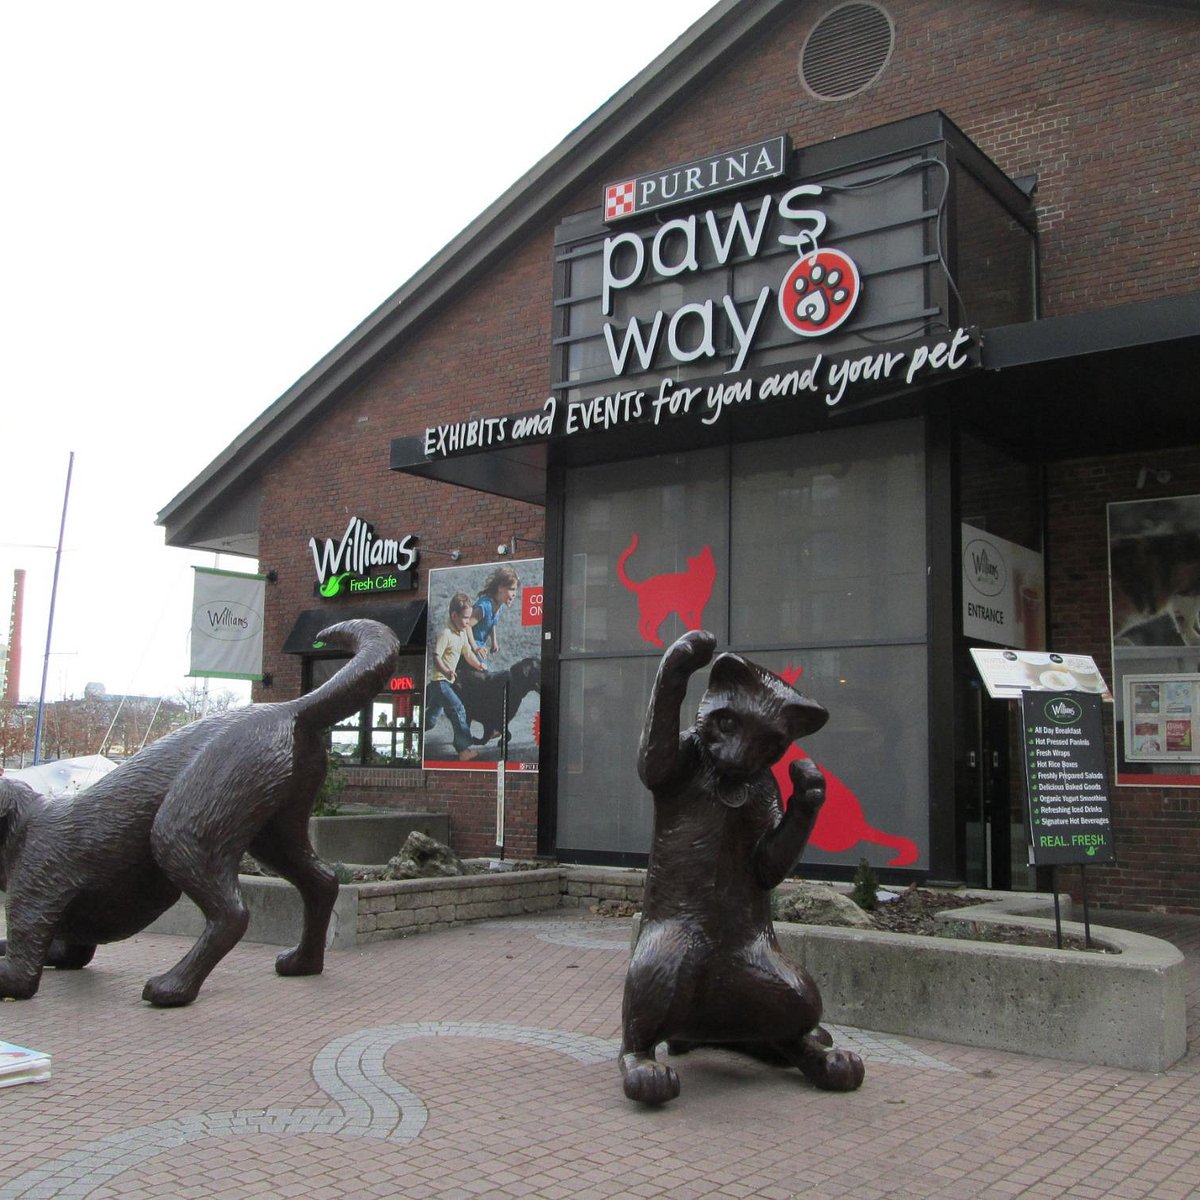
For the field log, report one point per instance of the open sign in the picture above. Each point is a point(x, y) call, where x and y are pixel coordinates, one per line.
point(402, 683)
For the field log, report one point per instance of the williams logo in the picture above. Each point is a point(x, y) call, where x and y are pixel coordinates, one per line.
point(984, 568)
point(362, 562)
point(1062, 710)
point(227, 621)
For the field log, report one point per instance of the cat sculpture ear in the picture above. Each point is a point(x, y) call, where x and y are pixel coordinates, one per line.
point(731, 673)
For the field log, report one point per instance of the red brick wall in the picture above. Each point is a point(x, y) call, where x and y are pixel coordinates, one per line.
point(1156, 830)
point(1096, 98)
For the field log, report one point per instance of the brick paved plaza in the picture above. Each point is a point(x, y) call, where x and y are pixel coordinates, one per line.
point(480, 1061)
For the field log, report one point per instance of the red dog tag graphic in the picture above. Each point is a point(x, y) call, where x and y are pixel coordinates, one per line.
point(819, 292)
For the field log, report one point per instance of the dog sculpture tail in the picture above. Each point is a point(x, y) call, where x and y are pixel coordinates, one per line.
point(375, 648)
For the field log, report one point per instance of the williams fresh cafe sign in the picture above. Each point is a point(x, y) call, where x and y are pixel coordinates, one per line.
point(360, 561)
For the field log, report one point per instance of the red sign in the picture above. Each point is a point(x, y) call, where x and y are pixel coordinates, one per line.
point(531, 606)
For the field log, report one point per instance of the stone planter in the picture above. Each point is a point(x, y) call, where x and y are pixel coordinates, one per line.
point(384, 911)
point(371, 837)
point(1120, 1010)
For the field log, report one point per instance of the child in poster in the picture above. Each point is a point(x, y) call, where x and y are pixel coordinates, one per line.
point(454, 644)
point(498, 594)
point(504, 629)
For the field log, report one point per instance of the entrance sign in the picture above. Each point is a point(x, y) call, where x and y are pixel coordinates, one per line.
point(1003, 588)
point(1067, 778)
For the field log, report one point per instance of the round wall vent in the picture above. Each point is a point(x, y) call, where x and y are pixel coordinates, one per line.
point(846, 51)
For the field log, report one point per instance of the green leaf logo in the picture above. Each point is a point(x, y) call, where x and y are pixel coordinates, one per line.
point(332, 586)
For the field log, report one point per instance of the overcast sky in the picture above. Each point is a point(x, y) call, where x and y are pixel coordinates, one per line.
point(201, 201)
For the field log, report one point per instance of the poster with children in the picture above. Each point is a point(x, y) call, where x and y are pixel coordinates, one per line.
point(483, 659)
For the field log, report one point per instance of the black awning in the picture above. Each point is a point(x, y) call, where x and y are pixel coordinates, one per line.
point(406, 621)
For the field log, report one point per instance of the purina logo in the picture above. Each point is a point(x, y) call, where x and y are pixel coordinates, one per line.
point(1062, 710)
point(702, 177)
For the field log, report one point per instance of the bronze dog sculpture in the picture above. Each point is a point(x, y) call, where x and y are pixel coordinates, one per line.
point(177, 817)
point(707, 968)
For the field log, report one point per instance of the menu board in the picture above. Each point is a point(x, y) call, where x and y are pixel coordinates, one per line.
point(1067, 778)
point(1008, 674)
point(1162, 718)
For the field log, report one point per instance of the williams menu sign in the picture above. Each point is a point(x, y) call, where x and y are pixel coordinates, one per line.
point(1069, 819)
point(361, 562)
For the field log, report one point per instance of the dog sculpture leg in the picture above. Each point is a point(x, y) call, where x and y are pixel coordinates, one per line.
point(216, 893)
point(199, 848)
point(30, 938)
point(284, 848)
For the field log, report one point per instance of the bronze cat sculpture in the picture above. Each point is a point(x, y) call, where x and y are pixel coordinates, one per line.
point(707, 968)
point(177, 818)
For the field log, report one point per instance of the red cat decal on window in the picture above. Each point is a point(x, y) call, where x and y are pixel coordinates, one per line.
point(682, 592)
point(841, 824)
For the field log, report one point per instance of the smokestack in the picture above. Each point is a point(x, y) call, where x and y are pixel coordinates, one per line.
point(12, 678)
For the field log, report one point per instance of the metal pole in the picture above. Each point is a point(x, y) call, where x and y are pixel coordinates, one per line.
point(501, 767)
point(1057, 910)
point(1087, 919)
point(41, 708)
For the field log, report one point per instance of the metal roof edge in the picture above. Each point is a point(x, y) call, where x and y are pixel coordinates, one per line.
point(1135, 324)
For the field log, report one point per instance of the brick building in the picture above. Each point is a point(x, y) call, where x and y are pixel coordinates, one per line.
point(864, 333)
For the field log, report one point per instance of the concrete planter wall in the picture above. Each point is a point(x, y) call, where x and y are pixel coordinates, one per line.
point(371, 837)
point(377, 912)
point(1121, 1010)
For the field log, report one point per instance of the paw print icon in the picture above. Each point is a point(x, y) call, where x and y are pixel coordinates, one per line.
point(819, 292)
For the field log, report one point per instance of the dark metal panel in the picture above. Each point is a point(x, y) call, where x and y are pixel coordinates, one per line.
point(1115, 328)
point(406, 621)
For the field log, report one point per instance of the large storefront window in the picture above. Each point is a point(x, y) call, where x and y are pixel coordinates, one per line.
point(386, 732)
point(807, 553)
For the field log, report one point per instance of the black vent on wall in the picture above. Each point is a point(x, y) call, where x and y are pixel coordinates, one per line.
point(846, 51)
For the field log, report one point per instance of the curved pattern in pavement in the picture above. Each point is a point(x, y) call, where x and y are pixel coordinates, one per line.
point(367, 1102)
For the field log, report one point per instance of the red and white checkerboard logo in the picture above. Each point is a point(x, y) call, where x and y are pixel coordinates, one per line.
point(618, 200)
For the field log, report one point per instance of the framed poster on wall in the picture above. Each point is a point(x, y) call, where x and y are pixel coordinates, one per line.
point(483, 666)
point(1163, 718)
point(1154, 595)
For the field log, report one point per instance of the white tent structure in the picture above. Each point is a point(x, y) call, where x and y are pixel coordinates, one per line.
point(66, 776)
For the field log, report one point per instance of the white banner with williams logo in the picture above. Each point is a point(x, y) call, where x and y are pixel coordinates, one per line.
point(227, 624)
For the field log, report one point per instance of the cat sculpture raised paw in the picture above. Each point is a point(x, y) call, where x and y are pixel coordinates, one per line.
point(707, 969)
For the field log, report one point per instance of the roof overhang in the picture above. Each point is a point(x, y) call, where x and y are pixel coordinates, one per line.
point(1119, 379)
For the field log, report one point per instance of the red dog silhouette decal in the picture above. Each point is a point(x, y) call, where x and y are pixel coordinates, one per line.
point(841, 824)
point(683, 592)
